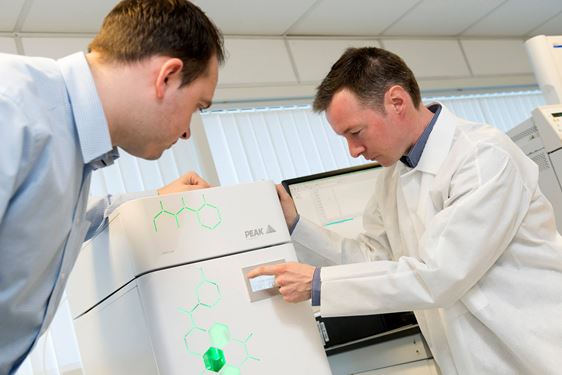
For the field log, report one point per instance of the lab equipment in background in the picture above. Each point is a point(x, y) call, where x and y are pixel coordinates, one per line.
point(336, 200)
point(540, 137)
point(545, 53)
point(163, 289)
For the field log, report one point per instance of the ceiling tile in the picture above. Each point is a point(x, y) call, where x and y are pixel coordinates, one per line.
point(8, 45)
point(254, 17)
point(442, 17)
point(551, 27)
point(68, 16)
point(251, 61)
point(497, 57)
point(314, 57)
point(54, 48)
point(9, 14)
point(351, 17)
point(356, 18)
point(515, 18)
point(436, 58)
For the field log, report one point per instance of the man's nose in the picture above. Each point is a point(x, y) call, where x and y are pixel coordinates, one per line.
point(355, 150)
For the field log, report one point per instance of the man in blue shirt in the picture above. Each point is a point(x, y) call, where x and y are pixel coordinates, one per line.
point(153, 63)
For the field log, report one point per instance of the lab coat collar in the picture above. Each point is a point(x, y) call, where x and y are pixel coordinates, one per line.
point(439, 142)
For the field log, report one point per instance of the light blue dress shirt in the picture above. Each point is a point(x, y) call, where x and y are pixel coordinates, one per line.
point(53, 133)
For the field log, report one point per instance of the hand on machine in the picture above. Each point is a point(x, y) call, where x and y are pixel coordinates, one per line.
point(294, 280)
point(187, 182)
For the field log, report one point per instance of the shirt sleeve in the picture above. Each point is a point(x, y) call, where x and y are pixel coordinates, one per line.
point(330, 248)
point(316, 287)
point(20, 144)
point(487, 202)
point(292, 228)
point(99, 209)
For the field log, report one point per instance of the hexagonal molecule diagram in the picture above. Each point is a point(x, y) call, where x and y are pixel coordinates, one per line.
point(219, 352)
point(207, 215)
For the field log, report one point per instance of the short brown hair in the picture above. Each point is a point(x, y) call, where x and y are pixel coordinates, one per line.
point(139, 29)
point(367, 72)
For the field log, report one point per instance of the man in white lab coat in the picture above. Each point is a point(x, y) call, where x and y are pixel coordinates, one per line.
point(457, 228)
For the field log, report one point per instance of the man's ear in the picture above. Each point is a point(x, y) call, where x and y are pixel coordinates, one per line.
point(169, 75)
point(395, 99)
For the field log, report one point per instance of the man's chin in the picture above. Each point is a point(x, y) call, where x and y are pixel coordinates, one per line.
point(154, 155)
point(148, 154)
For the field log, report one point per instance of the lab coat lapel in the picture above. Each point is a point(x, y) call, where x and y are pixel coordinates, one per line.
point(408, 199)
point(414, 185)
point(439, 142)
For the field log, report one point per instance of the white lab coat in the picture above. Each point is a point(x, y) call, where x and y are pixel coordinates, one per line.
point(466, 240)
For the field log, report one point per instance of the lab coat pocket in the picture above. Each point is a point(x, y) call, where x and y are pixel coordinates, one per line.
point(473, 346)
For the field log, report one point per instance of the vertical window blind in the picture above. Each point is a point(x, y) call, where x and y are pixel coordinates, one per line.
point(273, 144)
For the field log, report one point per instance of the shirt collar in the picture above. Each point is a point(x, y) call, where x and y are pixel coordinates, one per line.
point(412, 158)
point(87, 111)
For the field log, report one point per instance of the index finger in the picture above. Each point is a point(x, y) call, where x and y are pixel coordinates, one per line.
point(273, 269)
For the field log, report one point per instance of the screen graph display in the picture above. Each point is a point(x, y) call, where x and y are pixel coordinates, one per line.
point(335, 200)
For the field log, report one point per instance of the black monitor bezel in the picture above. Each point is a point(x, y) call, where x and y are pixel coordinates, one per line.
point(336, 172)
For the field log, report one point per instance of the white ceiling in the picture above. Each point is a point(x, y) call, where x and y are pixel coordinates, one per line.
point(440, 18)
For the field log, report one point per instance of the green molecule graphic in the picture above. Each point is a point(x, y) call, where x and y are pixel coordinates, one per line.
point(237, 351)
point(220, 353)
point(230, 370)
point(219, 334)
point(207, 215)
point(208, 293)
point(196, 341)
point(214, 359)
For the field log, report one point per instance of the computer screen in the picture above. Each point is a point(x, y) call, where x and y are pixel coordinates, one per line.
point(335, 200)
